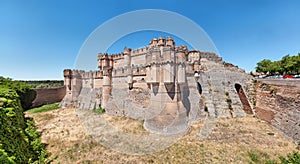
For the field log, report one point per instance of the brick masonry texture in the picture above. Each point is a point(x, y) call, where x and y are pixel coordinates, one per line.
point(48, 96)
point(278, 103)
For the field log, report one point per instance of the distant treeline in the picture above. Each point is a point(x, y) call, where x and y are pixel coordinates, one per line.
point(287, 65)
point(25, 92)
point(44, 83)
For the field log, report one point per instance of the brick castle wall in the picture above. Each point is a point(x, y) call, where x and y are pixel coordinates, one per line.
point(278, 103)
point(48, 95)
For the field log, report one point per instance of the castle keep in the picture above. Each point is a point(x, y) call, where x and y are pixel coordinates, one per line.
point(165, 85)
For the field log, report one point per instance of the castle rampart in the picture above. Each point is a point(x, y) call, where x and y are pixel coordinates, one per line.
point(173, 85)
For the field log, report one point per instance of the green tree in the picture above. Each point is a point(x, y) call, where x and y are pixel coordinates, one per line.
point(26, 94)
point(275, 67)
point(287, 65)
point(263, 66)
point(297, 67)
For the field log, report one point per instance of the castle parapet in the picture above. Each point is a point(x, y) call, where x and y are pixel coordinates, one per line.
point(98, 74)
point(139, 51)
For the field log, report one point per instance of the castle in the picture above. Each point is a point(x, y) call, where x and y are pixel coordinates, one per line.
point(165, 85)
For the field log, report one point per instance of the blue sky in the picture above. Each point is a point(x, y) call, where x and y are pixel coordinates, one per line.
point(40, 38)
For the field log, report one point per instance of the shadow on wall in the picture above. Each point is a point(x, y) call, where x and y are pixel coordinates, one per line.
point(47, 96)
point(246, 106)
point(170, 87)
point(185, 92)
point(155, 87)
point(199, 88)
point(26, 98)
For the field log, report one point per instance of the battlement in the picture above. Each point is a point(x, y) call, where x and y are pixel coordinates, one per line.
point(139, 51)
point(106, 56)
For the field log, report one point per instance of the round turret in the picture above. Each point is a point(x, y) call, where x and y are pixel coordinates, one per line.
point(100, 61)
point(161, 41)
point(127, 56)
point(153, 42)
point(170, 41)
point(111, 61)
point(126, 50)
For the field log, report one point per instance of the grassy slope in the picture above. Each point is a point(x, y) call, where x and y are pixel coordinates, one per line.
point(44, 108)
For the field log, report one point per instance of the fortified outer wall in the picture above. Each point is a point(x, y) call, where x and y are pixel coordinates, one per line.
point(168, 86)
point(48, 96)
point(278, 103)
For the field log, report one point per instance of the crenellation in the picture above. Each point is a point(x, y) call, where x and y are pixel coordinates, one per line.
point(137, 53)
point(98, 74)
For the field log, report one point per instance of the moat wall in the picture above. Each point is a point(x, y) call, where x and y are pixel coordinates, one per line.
point(48, 96)
point(278, 103)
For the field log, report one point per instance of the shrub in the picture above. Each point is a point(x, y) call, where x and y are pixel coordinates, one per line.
point(26, 94)
point(99, 110)
point(19, 140)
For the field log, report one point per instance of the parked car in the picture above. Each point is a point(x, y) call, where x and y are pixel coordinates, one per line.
point(296, 76)
point(262, 76)
point(288, 76)
point(274, 77)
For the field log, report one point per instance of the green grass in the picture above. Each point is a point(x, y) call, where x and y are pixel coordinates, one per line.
point(293, 158)
point(253, 156)
point(261, 157)
point(44, 108)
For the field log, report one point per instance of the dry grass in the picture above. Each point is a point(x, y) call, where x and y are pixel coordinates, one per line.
point(232, 141)
point(126, 124)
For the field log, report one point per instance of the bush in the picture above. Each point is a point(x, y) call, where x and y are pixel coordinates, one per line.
point(99, 110)
point(19, 140)
point(26, 94)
